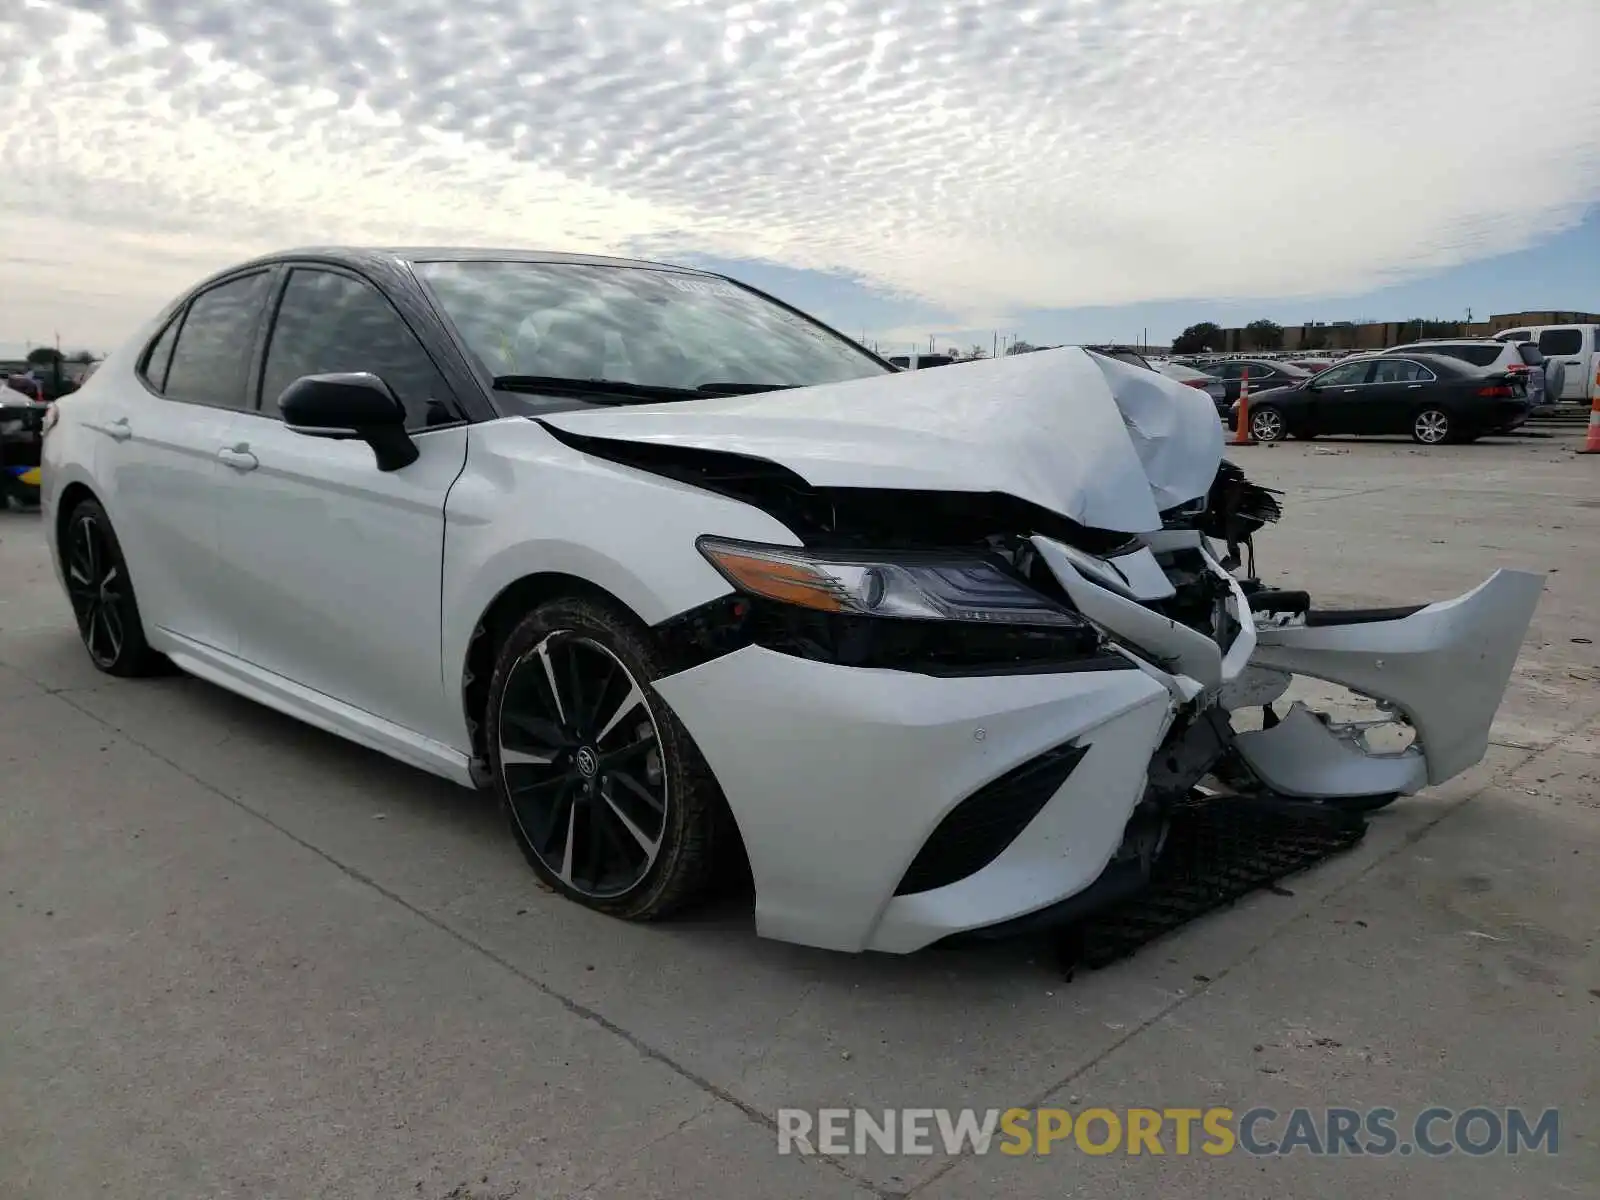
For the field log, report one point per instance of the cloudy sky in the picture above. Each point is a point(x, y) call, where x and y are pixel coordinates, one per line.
point(1065, 169)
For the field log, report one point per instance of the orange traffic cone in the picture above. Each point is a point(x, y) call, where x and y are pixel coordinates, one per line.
point(1241, 425)
point(1591, 443)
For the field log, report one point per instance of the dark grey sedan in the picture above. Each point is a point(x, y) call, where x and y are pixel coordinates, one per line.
point(1433, 398)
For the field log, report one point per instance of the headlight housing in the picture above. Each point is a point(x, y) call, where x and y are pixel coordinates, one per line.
point(898, 585)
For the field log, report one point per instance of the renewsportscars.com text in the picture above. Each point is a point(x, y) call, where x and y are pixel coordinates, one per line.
point(1335, 1131)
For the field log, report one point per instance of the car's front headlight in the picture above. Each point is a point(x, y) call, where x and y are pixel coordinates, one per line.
point(911, 586)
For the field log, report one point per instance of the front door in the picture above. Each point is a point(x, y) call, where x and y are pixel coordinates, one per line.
point(1335, 398)
point(158, 460)
point(341, 563)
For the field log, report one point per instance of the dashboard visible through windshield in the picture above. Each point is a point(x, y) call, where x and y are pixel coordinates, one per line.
point(637, 334)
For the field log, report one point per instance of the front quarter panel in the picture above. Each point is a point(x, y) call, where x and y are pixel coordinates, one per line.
point(528, 505)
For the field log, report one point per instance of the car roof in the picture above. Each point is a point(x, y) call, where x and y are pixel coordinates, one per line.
point(391, 256)
point(1460, 341)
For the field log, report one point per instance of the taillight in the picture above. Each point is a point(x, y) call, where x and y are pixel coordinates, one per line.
point(1497, 389)
point(1197, 383)
point(1518, 368)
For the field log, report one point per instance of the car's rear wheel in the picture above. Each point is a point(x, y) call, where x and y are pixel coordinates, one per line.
point(1267, 424)
point(606, 793)
point(102, 596)
point(1431, 427)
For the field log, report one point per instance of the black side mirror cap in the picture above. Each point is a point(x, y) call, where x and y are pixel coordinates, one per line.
point(350, 406)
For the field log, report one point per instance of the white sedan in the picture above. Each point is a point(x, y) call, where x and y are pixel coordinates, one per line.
point(684, 575)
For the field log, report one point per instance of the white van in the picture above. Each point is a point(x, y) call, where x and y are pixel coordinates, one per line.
point(1578, 348)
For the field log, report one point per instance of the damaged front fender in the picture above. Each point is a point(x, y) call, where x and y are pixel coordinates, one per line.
point(1445, 667)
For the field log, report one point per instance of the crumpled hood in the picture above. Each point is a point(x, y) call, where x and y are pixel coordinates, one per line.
point(1107, 444)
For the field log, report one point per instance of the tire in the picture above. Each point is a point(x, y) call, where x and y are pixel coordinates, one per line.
point(626, 820)
point(1267, 424)
point(101, 592)
point(1432, 426)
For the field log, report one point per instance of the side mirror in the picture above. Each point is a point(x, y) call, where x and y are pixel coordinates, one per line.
point(356, 406)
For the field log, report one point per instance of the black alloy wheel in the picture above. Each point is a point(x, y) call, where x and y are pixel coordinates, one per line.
point(606, 794)
point(102, 596)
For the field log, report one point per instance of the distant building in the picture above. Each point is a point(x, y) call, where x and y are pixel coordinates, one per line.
point(1377, 335)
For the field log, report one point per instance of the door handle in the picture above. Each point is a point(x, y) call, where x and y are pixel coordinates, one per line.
point(1413, 386)
point(119, 430)
point(239, 457)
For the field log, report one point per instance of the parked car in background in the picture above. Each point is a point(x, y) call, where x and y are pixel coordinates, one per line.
point(1519, 358)
point(1196, 378)
point(21, 431)
point(1578, 348)
point(1432, 397)
point(1263, 373)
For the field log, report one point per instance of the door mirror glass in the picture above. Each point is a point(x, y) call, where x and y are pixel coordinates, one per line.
point(349, 406)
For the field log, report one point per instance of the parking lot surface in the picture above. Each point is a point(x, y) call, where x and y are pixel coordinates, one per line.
point(239, 957)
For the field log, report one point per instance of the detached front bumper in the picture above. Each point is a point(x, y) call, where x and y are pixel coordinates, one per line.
point(839, 777)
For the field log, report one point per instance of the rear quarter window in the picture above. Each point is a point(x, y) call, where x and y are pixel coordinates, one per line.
point(1530, 353)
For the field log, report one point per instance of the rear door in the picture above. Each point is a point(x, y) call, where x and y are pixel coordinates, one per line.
point(158, 463)
point(340, 563)
point(1395, 388)
point(1570, 344)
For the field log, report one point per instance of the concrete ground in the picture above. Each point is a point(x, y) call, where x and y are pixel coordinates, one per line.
point(241, 958)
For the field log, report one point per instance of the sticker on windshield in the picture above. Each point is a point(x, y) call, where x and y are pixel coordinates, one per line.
point(698, 286)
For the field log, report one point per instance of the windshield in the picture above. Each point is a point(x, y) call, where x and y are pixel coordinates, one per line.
point(635, 326)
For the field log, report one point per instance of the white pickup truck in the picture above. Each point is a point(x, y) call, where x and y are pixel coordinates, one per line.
point(1576, 346)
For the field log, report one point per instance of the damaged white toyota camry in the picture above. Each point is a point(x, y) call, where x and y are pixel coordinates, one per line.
point(688, 578)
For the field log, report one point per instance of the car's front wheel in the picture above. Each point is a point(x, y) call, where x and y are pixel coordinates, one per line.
point(102, 596)
point(606, 793)
point(1431, 427)
point(1267, 424)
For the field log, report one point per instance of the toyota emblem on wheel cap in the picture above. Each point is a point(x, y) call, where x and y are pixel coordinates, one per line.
point(588, 763)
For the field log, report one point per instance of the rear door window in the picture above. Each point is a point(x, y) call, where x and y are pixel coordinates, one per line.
point(1398, 370)
point(215, 342)
point(1553, 342)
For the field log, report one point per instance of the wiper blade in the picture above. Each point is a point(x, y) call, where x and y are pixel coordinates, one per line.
point(619, 390)
point(741, 389)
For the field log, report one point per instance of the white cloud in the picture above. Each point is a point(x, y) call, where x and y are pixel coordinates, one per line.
point(987, 156)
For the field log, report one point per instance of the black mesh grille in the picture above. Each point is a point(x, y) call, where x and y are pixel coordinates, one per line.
point(974, 832)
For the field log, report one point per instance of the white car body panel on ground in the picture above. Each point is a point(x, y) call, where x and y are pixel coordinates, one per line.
point(1445, 666)
point(291, 570)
